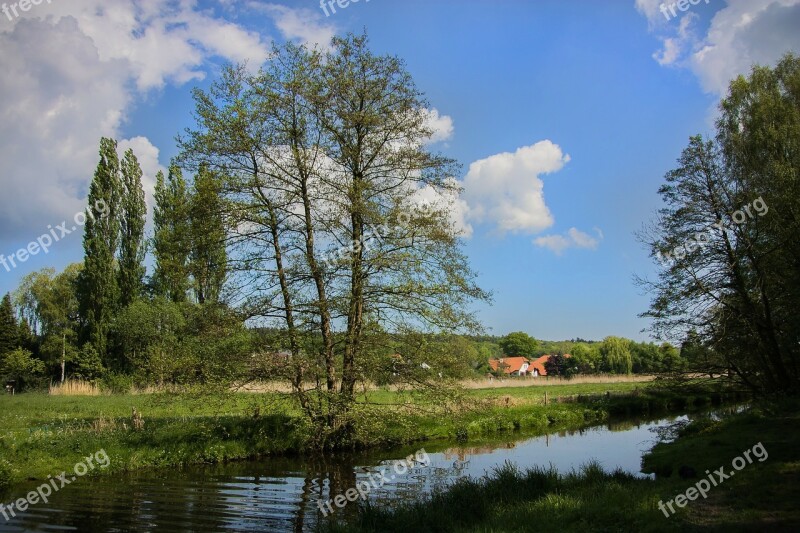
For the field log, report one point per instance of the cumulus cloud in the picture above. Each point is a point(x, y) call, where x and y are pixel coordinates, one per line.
point(457, 208)
point(303, 25)
point(442, 125)
point(72, 72)
point(740, 34)
point(573, 239)
point(507, 190)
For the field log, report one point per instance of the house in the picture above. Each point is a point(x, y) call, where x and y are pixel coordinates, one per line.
point(537, 365)
point(517, 366)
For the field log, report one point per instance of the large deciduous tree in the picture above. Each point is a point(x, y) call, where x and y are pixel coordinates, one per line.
point(616, 353)
point(325, 162)
point(731, 213)
point(519, 343)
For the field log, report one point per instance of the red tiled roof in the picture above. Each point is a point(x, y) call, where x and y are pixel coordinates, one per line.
point(509, 364)
point(539, 363)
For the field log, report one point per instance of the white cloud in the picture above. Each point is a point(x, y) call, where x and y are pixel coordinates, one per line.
point(573, 239)
point(72, 72)
point(303, 25)
point(442, 125)
point(507, 190)
point(456, 206)
point(650, 9)
point(742, 33)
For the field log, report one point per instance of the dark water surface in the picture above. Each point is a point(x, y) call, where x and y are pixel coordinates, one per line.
point(287, 494)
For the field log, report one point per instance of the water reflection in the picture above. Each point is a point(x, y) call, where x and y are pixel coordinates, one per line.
point(284, 494)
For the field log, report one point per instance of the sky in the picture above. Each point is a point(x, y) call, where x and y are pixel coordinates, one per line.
point(564, 114)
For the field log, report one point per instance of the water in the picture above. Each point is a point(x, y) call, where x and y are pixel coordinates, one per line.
point(289, 494)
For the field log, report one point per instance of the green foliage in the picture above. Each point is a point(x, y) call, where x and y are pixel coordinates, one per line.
point(149, 333)
point(117, 383)
point(6, 474)
point(180, 343)
point(172, 240)
point(311, 117)
point(616, 355)
point(87, 363)
point(20, 365)
point(51, 302)
point(561, 366)
point(729, 224)
point(586, 358)
point(133, 211)
point(518, 343)
point(9, 329)
point(98, 293)
point(208, 258)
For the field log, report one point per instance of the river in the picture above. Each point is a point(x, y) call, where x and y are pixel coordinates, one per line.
point(290, 493)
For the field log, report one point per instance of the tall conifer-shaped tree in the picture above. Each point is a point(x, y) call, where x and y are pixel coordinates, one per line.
point(9, 329)
point(133, 211)
point(172, 240)
point(98, 289)
point(208, 259)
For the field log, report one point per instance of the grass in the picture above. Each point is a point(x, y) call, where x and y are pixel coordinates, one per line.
point(42, 435)
point(74, 388)
point(554, 381)
point(535, 500)
point(762, 496)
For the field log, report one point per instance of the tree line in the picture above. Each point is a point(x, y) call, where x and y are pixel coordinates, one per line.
point(105, 317)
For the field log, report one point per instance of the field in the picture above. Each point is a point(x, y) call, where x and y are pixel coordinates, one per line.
point(42, 434)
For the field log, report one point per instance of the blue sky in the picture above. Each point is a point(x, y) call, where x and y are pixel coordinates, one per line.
point(564, 114)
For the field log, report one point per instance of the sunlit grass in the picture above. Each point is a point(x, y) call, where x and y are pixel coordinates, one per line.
point(74, 387)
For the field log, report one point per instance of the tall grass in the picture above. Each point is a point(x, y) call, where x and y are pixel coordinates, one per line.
point(539, 499)
point(551, 382)
point(74, 387)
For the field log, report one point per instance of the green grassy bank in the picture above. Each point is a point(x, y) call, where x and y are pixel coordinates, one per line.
point(43, 435)
point(762, 496)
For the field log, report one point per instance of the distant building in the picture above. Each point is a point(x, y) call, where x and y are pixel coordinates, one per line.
point(521, 366)
point(516, 366)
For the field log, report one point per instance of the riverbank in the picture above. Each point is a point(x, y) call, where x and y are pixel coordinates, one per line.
point(44, 435)
point(761, 495)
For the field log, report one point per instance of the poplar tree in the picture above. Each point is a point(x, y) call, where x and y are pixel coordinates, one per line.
point(9, 329)
point(208, 255)
point(172, 240)
point(98, 288)
point(133, 211)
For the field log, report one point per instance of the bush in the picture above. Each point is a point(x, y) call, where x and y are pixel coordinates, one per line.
point(19, 365)
point(116, 383)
